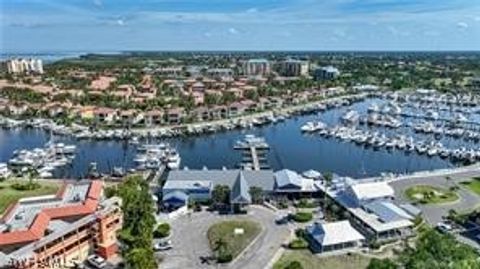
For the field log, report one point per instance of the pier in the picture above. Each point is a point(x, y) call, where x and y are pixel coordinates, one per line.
point(253, 149)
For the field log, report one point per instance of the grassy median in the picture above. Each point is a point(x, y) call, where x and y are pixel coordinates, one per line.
point(233, 236)
point(311, 261)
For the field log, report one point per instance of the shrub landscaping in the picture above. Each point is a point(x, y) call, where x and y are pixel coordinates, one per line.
point(302, 216)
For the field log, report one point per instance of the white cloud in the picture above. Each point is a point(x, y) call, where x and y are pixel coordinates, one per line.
point(477, 18)
point(232, 31)
point(462, 25)
point(98, 3)
point(120, 22)
point(252, 10)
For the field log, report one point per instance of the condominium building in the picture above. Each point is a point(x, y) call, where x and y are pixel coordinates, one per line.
point(326, 73)
point(293, 68)
point(17, 66)
point(257, 67)
point(61, 230)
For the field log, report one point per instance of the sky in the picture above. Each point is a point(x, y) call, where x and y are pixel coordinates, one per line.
point(31, 26)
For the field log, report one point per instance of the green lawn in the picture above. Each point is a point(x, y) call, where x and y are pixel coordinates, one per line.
point(473, 185)
point(311, 261)
point(427, 194)
point(235, 243)
point(9, 195)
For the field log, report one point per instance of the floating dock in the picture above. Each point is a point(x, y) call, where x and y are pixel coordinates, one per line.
point(253, 152)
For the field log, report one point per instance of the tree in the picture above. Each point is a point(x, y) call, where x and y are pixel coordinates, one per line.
point(257, 194)
point(139, 258)
point(327, 180)
point(381, 264)
point(221, 194)
point(138, 222)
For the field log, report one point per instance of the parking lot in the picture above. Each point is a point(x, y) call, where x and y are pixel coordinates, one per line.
point(435, 213)
point(190, 243)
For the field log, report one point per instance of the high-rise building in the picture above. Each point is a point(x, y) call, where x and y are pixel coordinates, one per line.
point(257, 67)
point(326, 73)
point(57, 231)
point(293, 68)
point(17, 66)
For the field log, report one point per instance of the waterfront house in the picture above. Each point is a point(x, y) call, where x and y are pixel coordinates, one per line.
point(105, 115)
point(236, 109)
point(201, 113)
point(333, 236)
point(219, 112)
point(129, 117)
point(154, 117)
point(175, 115)
point(17, 109)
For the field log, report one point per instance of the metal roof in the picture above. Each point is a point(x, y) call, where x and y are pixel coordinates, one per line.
point(240, 191)
point(287, 177)
point(262, 178)
point(387, 211)
point(333, 233)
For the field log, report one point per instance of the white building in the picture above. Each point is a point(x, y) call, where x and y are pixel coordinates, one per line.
point(326, 73)
point(294, 68)
point(333, 236)
point(257, 67)
point(17, 66)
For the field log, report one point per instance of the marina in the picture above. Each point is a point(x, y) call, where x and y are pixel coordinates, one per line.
point(341, 136)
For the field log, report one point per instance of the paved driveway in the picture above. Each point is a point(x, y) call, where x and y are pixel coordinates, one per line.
point(434, 213)
point(189, 239)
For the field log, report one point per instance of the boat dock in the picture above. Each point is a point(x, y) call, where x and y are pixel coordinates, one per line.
point(253, 152)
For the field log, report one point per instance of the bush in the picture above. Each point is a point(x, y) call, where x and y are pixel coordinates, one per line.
point(303, 217)
point(300, 233)
point(162, 231)
point(305, 203)
point(294, 265)
point(298, 244)
point(25, 186)
point(224, 257)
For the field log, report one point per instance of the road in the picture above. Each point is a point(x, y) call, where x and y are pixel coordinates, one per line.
point(189, 240)
point(434, 213)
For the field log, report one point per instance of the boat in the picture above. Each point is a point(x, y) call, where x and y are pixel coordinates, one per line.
point(351, 116)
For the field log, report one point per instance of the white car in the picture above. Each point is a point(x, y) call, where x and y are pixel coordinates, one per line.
point(97, 261)
point(162, 246)
point(444, 227)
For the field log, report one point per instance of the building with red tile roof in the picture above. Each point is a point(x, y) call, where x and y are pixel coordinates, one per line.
point(64, 227)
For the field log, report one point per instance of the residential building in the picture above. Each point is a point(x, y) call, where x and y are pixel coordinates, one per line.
point(56, 231)
point(475, 84)
point(333, 236)
point(154, 117)
point(293, 68)
point(220, 73)
point(257, 67)
point(326, 73)
point(17, 66)
point(175, 115)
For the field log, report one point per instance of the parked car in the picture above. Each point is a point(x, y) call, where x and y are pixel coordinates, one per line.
point(444, 227)
point(162, 246)
point(97, 261)
point(281, 220)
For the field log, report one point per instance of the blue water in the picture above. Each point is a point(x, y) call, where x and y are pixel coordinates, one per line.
point(289, 149)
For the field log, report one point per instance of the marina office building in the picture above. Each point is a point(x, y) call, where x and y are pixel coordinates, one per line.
point(58, 231)
point(182, 186)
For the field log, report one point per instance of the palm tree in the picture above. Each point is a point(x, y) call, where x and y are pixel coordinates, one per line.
point(327, 180)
